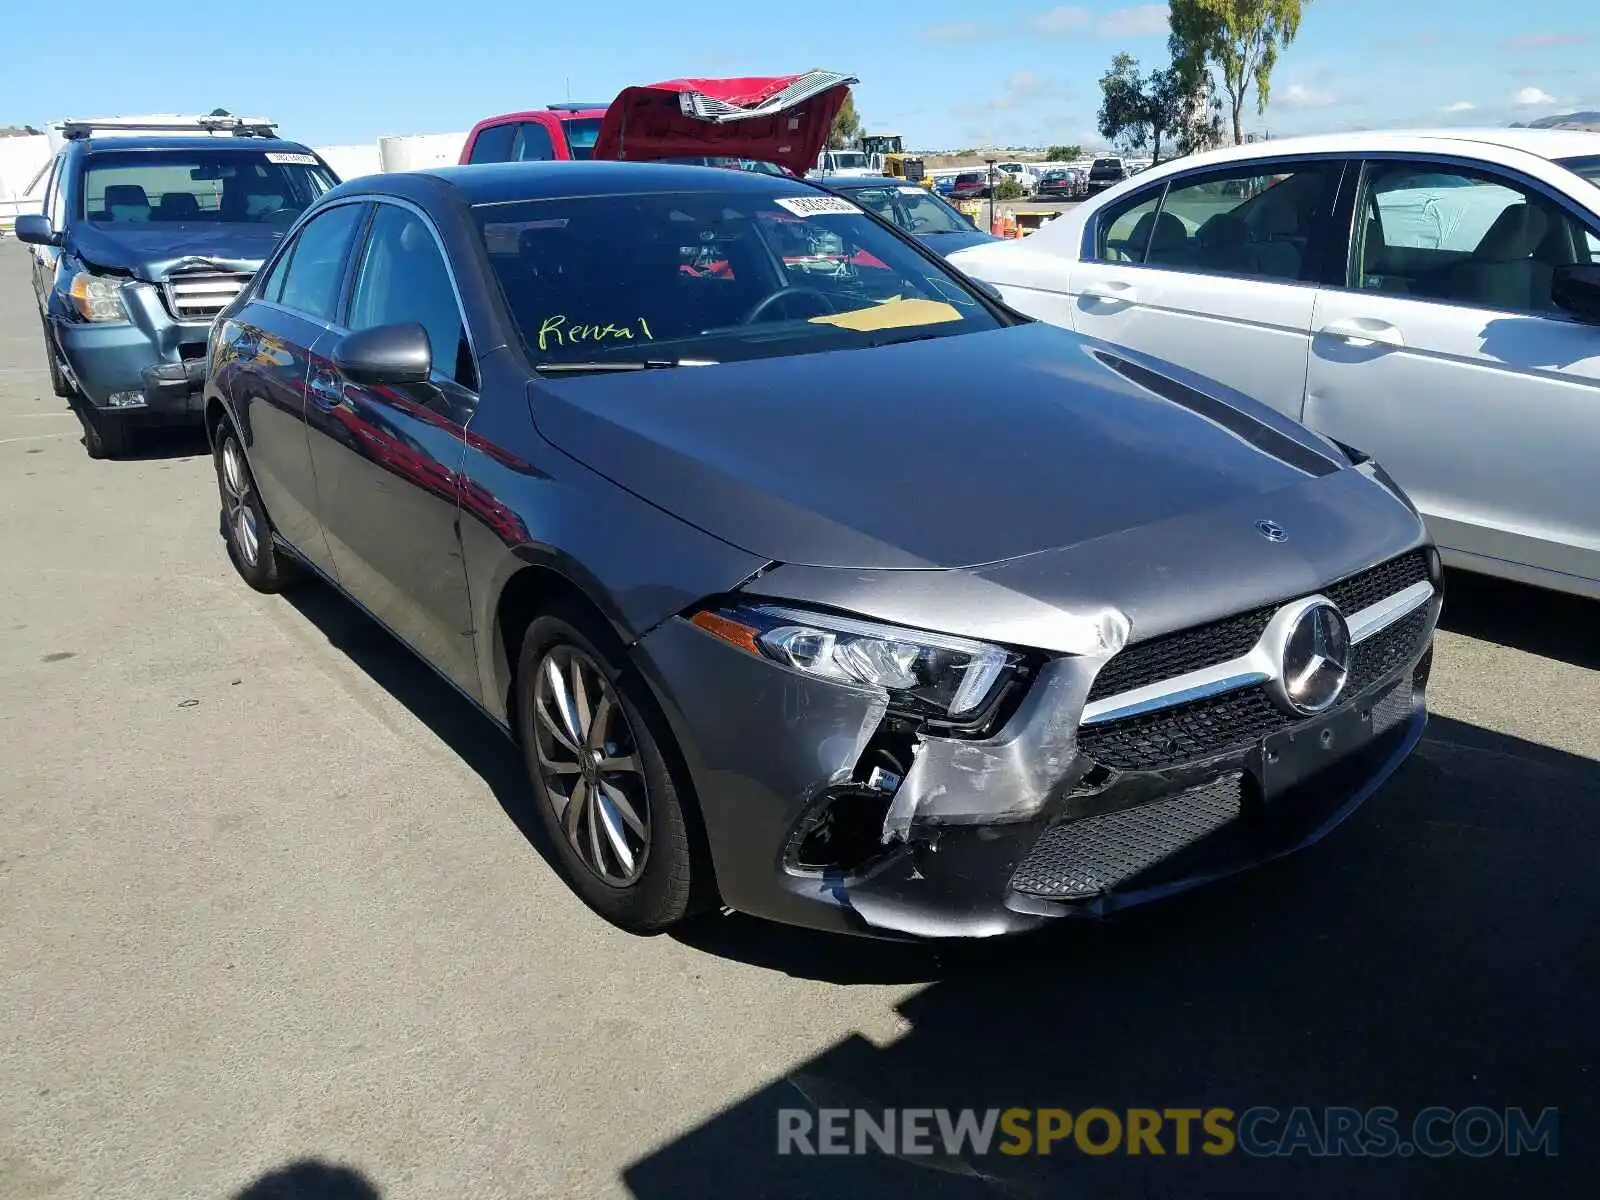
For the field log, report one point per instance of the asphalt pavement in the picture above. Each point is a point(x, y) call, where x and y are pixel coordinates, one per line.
point(271, 923)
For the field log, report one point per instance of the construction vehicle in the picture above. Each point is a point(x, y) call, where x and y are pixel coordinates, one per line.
point(887, 154)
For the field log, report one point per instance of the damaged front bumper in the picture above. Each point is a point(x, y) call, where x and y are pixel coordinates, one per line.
point(150, 367)
point(980, 838)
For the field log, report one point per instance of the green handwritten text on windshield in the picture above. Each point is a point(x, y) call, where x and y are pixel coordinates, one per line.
point(557, 330)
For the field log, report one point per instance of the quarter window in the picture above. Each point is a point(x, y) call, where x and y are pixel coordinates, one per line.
point(1125, 233)
point(1462, 236)
point(403, 278)
point(316, 263)
point(493, 144)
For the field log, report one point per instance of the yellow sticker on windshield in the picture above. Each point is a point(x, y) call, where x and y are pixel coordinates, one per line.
point(892, 314)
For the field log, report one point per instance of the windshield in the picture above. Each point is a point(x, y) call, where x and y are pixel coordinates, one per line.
point(713, 277)
point(914, 209)
point(1588, 167)
point(847, 160)
point(203, 185)
point(1103, 165)
point(581, 135)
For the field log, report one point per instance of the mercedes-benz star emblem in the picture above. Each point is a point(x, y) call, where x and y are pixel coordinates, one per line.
point(1316, 660)
point(1272, 531)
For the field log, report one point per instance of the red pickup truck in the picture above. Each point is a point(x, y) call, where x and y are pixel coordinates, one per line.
point(561, 131)
point(773, 119)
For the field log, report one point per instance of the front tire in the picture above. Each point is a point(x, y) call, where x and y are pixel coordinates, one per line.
point(58, 381)
point(245, 525)
point(605, 793)
point(105, 435)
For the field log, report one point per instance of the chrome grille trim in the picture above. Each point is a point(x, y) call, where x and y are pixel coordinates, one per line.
point(1248, 669)
point(198, 296)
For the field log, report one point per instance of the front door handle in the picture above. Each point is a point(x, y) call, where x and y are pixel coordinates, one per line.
point(1365, 331)
point(1114, 290)
point(327, 391)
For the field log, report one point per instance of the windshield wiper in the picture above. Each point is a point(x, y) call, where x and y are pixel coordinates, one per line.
point(900, 341)
point(619, 364)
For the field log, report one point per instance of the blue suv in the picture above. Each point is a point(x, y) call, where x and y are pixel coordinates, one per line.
point(145, 237)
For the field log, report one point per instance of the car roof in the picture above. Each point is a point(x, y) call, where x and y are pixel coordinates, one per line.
point(1545, 143)
point(138, 142)
point(492, 183)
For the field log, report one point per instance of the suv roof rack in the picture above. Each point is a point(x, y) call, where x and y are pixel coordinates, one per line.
point(575, 106)
point(77, 130)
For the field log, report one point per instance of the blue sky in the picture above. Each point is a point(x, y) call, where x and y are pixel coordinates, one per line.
point(945, 73)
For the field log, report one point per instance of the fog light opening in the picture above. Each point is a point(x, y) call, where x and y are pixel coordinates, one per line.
point(846, 833)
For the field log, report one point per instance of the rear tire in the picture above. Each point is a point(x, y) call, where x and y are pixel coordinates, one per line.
point(623, 836)
point(246, 528)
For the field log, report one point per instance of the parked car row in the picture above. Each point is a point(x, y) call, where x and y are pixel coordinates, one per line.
point(647, 458)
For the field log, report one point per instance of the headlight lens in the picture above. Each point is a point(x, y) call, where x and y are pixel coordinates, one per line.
point(97, 297)
point(926, 674)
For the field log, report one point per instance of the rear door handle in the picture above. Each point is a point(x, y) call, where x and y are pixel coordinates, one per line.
point(1111, 289)
point(1365, 331)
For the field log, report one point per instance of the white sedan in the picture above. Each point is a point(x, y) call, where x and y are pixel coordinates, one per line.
point(1431, 299)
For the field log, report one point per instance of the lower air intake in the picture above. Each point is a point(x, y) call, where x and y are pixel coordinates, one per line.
point(1085, 858)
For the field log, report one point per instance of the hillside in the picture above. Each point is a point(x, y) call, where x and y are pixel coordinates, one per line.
point(1577, 120)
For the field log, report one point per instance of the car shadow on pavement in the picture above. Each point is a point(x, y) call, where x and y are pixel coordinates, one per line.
point(1438, 949)
point(1550, 624)
point(475, 739)
point(310, 1179)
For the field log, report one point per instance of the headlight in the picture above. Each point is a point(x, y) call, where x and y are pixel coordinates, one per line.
point(97, 297)
point(928, 675)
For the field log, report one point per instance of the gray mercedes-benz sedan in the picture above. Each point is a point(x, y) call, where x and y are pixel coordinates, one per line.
point(809, 578)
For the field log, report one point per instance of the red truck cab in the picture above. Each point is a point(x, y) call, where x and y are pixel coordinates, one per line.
point(560, 131)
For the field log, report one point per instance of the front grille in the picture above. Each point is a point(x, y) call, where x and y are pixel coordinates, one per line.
point(1084, 858)
point(1235, 721)
point(1378, 583)
point(1384, 652)
point(1144, 663)
point(1184, 733)
point(201, 295)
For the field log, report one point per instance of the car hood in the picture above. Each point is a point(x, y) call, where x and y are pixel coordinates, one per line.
point(950, 241)
point(153, 252)
point(957, 451)
point(783, 119)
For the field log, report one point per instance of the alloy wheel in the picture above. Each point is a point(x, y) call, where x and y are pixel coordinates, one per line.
point(241, 514)
point(590, 764)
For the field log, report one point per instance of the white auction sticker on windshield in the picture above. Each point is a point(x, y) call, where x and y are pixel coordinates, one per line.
point(912, 191)
point(817, 206)
point(296, 160)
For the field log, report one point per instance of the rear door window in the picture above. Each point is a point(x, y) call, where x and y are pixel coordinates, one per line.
point(533, 144)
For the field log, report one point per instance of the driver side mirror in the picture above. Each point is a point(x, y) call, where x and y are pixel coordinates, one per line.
point(34, 229)
point(390, 355)
point(1575, 290)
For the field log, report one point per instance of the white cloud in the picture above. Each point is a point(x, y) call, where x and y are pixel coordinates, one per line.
point(1544, 41)
point(1297, 95)
point(1460, 106)
point(1027, 83)
point(1532, 97)
point(1068, 18)
point(1144, 20)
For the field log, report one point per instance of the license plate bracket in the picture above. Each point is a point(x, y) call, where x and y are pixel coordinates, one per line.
point(1284, 761)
